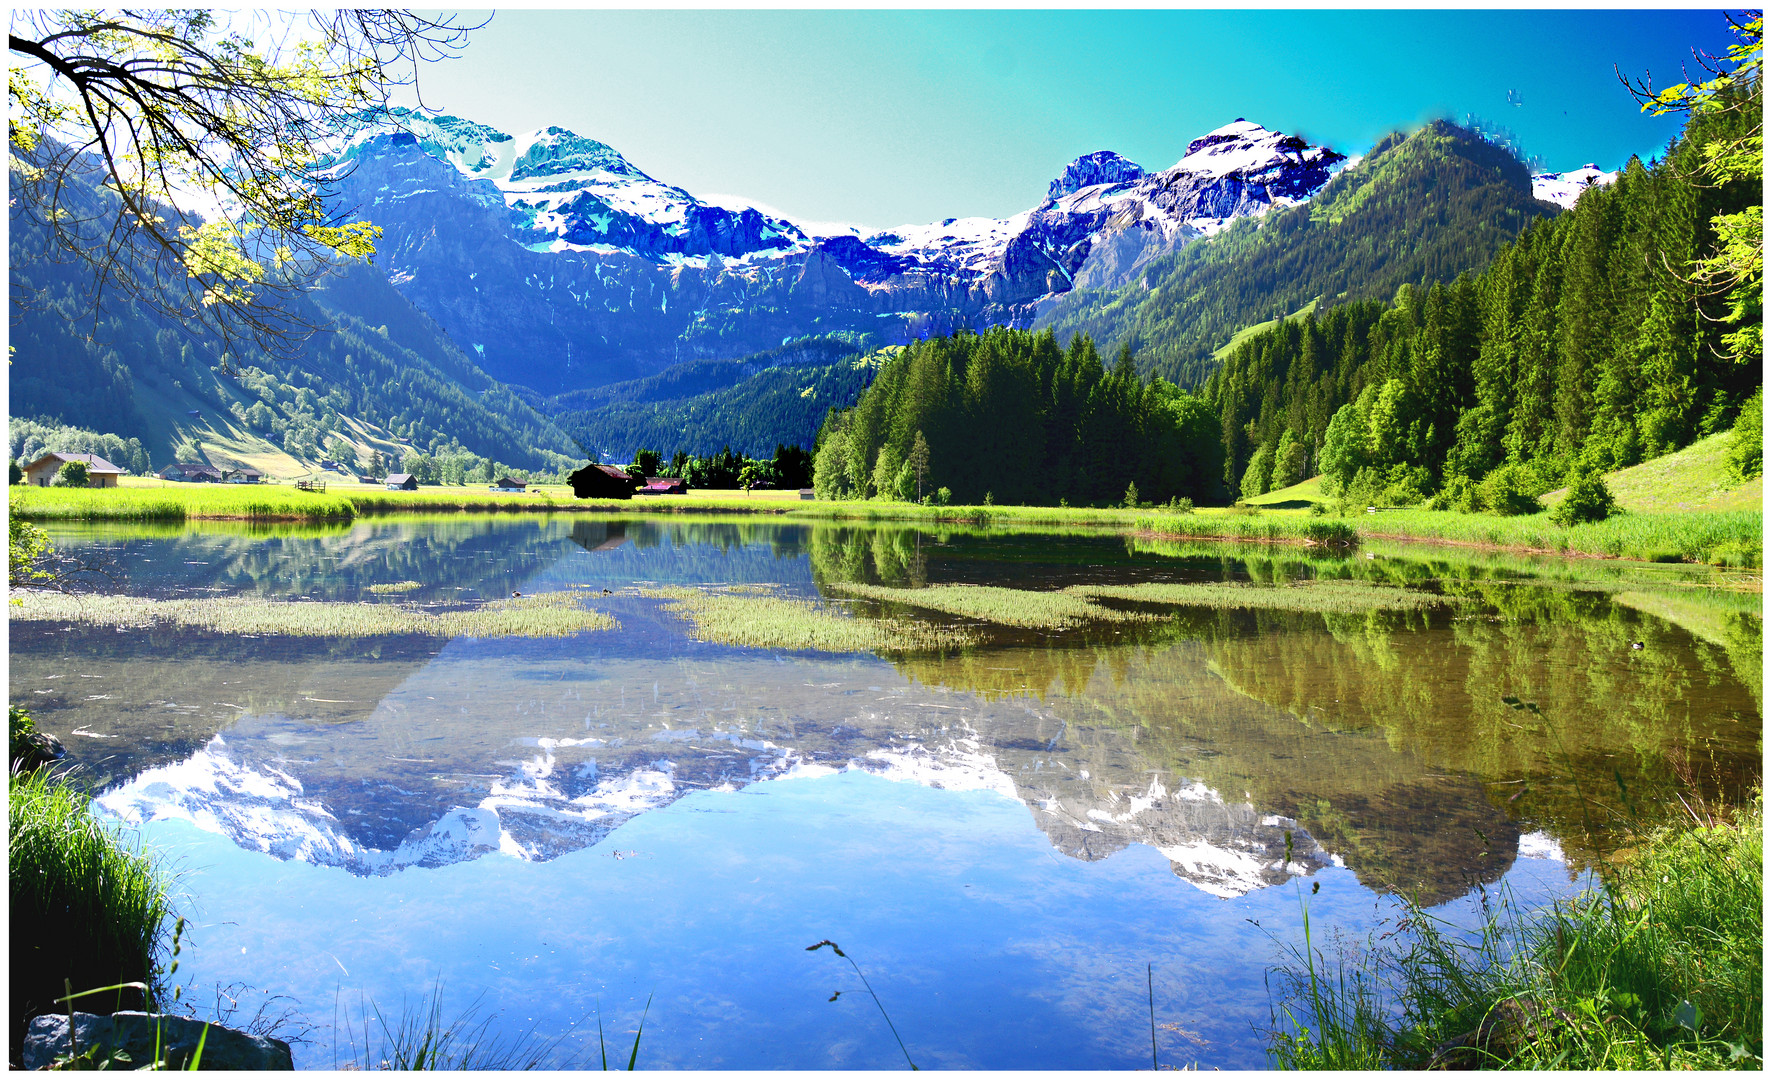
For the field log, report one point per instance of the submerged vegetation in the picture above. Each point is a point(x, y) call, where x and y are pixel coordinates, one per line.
point(1008, 607)
point(554, 614)
point(1658, 966)
point(1319, 594)
point(756, 618)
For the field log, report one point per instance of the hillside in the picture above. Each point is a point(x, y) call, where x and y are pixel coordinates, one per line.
point(749, 405)
point(1418, 209)
point(1696, 478)
point(380, 376)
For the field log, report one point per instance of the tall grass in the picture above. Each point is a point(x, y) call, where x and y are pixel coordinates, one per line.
point(86, 906)
point(1659, 967)
point(419, 1039)
point(1732, 536)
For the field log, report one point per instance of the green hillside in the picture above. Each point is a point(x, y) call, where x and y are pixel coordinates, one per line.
point(1696, 478)
point(379, 375)
point(1417, 209)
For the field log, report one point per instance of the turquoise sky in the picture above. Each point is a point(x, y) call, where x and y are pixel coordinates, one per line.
point(892, 117)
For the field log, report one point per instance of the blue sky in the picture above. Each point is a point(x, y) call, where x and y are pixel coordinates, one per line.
point(891, 117)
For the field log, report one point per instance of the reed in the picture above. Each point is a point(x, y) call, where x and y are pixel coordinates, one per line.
point(543, 615)
point(766, 621)
point(384, 588)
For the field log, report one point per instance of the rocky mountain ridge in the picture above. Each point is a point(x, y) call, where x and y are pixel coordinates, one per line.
point(563, 265)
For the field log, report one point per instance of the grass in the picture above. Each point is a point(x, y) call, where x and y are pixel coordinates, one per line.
point(1731, 537)
point(86, 906)
point(1333, 595)
point(420, 1040)
point(1006, 607)
point(1658, 968)
point(542, 615)
point(386, 587)
point(1696, 478)
point(758, 619)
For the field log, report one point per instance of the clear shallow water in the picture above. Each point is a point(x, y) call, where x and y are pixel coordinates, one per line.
point(1003, 837)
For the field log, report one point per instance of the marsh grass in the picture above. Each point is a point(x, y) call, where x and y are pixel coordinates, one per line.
point(1028, 608)
point(1732, 537)
point(385, 588)
point(746, 616)
point(419, 1039)
point(542, 615)
point(1659, 967)
point(87, 907)
point(1332, 595)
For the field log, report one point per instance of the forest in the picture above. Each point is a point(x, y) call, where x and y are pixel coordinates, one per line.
point(1588, 344)
point(1008, 416)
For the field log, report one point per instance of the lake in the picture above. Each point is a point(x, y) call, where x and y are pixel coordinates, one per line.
point(1065, 788)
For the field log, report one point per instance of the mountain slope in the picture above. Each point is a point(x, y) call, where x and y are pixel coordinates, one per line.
point(749, 405)
point(1417, 209)
point(380, 376)
point(563, 266)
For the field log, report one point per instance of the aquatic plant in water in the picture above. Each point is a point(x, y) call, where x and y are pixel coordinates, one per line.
point(1333, 595)
point(553, 614)
point(745, 615)
point(1007, 607)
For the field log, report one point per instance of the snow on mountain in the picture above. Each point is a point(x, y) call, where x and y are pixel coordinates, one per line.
point(1564, 188)
point(1101, 167)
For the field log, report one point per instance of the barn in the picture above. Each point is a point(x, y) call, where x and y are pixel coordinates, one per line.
point(602, 482)
point(400, 481)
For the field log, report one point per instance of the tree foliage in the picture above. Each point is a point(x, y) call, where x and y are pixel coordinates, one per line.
point(1585, 344)
point(1012, 414)
point(179, 156)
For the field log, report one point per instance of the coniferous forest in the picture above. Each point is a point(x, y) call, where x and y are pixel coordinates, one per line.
point(1586, 344)
point(1010, 416)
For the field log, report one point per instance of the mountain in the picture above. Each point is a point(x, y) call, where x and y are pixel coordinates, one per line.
point(379, 375)
point(704, 406)
point(563, 266)
point(1564, 188)
point(1416, 209)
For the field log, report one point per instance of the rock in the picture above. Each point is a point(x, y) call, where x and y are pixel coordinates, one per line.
point(133, 1033)
point(37, 749)
point(1502, 1035)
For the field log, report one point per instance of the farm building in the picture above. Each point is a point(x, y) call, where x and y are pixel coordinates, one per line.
point(240, 474)
point(401, 481)
point(99, 472)
point(191, 472)
point(505, 483)
point(602, 482)
point(662, 485)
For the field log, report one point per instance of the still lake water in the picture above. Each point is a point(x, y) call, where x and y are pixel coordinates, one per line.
point(1004, 836)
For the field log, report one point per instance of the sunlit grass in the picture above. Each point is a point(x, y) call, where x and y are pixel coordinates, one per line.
point(1005, 607)
point(751, 617)
point(87, 905)
point(383, 588)
point(1659, 968)
point(1335, 595)
point(555, 614)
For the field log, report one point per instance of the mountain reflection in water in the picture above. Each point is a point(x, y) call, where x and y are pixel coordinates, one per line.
point(1383, 742)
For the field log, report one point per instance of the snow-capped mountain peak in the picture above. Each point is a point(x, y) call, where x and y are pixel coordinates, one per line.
point(1101, 167)
point(1564, 188)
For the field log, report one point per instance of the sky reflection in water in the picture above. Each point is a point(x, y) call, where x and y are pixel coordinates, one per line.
point(556, 824)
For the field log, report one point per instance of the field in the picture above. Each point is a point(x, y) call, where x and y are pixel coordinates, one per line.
point(1725, 536)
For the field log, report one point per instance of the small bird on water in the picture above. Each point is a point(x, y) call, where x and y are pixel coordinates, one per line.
point(515, 593)
point(1636, 645)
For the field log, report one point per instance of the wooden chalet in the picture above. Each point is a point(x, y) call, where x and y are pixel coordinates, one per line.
point(99, 472)
point(662, 485)
point(602, 482)
point(505, 483)
point(401, 481)
point(191, 472)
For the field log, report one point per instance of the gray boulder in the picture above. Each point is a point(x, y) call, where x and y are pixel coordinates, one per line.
point(134, 1034)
